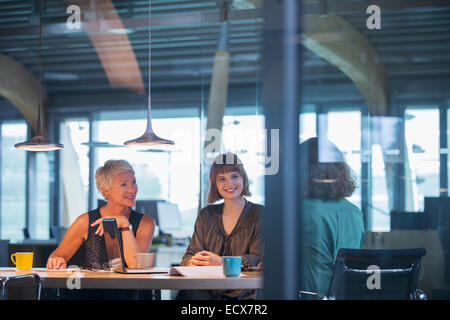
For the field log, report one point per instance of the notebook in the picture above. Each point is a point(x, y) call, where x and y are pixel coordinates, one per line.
point(202, 271)
point(113, 239)
point(198, 271)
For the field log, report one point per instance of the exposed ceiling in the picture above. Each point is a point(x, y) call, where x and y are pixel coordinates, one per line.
point(413, 44)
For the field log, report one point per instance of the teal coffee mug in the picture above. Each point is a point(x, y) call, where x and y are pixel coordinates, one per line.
point(231, 266)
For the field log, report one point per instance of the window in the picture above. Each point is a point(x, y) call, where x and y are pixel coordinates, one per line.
point(344, 130)
point(40, 222)
point(308, 127)
point(379, 207)
point(422, 167)
point(74, 169)
point(244, 136)
point(13, 180)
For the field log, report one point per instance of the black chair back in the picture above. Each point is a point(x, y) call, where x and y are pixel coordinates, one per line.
point(376, 274)
point(21, 287)
point(4, 253)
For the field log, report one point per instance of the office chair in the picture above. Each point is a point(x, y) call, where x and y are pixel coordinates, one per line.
point(4, 254)
point(21, 287)
point(375, 274)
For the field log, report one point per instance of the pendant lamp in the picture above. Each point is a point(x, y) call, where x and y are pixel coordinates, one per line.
point(149, 137)
point(39, 142)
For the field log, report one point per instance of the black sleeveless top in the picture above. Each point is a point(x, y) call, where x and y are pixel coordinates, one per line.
point(92, 254)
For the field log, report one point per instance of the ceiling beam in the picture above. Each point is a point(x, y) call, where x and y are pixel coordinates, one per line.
point(121, 68)
point(310, 7)
point(21, 88)
point(339, 43)
point(105, 25)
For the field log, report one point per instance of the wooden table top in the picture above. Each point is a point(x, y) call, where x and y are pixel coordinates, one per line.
point(81, 279)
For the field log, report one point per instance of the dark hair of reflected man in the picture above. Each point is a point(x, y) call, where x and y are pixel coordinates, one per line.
point(324, 174)
point(225, 163)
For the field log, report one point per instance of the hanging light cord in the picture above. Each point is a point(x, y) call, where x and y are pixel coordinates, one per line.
point(149, 137)
point(149, 57)
point(39, 124)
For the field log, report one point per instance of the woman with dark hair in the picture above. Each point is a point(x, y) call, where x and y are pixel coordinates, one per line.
point(329, 222)
point(230, 228)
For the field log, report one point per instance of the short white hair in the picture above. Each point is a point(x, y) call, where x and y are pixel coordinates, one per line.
point(104, 175)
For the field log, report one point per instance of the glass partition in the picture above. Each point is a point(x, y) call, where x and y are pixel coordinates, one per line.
point(373, 99)
point(376, 77)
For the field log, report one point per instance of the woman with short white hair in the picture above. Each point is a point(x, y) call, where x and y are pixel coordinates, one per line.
point(84, 244)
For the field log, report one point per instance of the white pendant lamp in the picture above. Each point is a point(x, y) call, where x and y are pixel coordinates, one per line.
point(39, 142)
point(149, 138)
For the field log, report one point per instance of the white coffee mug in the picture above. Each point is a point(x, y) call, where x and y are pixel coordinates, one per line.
point(145, 260)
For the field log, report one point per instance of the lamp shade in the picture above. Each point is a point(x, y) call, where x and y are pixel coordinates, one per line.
point(39, 143)
point(148, 139)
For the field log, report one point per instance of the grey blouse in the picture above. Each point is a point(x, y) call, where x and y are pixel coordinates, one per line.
point(245, 240)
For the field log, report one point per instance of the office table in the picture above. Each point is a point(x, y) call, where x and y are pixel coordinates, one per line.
point(111, 280)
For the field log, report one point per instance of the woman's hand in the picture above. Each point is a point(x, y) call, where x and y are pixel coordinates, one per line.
point(121, 221)
point(205, 258)
point(56, 263)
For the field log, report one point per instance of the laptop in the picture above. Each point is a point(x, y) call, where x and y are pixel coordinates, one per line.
point(113, 240)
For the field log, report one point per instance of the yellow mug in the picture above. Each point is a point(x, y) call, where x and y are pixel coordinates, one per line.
point(22, 260)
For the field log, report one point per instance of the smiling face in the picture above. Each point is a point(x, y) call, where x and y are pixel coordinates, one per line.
point(230, 185)
point(123, 189)
point(227, 178)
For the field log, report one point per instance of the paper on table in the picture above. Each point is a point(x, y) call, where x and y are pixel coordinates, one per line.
point(61, 269)
point(197, 271)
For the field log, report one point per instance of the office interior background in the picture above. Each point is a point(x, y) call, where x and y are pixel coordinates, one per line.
point(374, 80)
